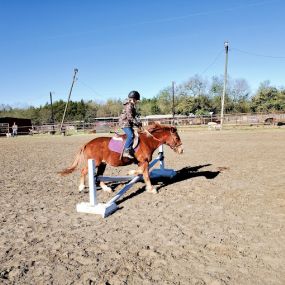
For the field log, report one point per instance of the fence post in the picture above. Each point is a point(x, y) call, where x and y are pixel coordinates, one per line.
point(92, 182)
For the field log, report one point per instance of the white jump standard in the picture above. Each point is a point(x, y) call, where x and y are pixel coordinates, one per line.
point(105, 209)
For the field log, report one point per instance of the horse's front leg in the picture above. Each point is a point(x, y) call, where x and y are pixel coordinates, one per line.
point(145, 171)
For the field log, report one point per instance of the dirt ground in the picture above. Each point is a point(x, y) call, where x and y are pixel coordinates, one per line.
point(220, 221)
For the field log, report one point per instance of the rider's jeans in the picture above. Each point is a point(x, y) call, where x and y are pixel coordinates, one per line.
point(130, 137)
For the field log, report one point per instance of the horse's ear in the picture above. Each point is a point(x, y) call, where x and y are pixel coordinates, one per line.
point(173, 129)
point(153, 125)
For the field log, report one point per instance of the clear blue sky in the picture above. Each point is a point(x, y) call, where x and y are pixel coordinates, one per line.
point(122, 45)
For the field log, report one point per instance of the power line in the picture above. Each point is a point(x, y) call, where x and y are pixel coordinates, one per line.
point(259, 55)
point(98, 95)
point(206, 13)
point(213, 62)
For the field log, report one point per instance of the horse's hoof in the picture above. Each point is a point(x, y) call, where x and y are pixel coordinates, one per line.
point(81, 187)
point(152, 190)
point(132, 172)
point(107, 189)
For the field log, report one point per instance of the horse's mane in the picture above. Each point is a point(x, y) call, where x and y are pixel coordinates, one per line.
point(155, 127)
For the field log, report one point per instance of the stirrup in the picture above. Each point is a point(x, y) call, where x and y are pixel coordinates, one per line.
point(127, 153)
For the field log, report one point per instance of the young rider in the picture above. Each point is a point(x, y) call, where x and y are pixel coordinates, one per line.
point(128, 120)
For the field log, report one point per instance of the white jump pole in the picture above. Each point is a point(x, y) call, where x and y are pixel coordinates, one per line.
point(105, 209)
point(161, 162)
point(92, 182)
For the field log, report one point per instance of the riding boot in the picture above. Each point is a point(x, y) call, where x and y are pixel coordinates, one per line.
point(129, 153)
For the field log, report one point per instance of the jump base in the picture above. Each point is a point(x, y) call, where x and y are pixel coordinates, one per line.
point(100, 209)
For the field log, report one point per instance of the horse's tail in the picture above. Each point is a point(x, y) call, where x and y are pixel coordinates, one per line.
point(79, 158)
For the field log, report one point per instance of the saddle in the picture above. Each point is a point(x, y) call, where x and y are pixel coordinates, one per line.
point(117, 143)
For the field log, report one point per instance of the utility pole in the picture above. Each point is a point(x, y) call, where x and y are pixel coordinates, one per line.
point(173, 106)
point(226, 44)
point(52, 115)
point(73, 80)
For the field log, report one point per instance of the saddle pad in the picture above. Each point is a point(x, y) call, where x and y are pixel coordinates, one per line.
point(116, 144)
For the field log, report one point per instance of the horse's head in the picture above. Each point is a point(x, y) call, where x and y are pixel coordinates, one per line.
point(168, 135)
point(173, 140)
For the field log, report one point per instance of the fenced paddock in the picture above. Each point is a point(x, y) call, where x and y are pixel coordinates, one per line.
point(111, 124)
point(220, 221)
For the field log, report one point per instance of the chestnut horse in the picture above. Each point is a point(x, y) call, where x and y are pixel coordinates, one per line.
point(150, 139)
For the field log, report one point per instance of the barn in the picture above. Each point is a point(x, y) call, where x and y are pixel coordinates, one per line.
point(23, 125)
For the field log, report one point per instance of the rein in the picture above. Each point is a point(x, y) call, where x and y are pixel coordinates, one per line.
point(172, 146)
point(150, 134)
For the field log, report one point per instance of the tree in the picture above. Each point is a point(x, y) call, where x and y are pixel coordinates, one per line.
point(216, 91)
point(35, 116)
point(5, 108)
point(164, 101)
point(148, 107)
point(202, 105)
point(191, 95)
point(194, 86)
point(267, 98)
point(114, 107)
point(184, 104)
point(58, 109)
point(239, 92)
point(91, 112)
point(196, 96)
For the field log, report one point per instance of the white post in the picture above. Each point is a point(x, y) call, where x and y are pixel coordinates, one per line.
point(93, 207)
point(92, 182)
point(161, 161)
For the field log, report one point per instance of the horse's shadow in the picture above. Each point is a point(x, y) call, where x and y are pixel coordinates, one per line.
point(181, 175)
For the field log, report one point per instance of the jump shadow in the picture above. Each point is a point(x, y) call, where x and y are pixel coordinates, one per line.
point(181, 175)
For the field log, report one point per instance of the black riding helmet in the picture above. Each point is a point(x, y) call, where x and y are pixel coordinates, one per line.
point(134, 95)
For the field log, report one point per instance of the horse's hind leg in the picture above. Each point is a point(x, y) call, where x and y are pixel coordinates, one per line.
point(100, 170)
point(84, 172)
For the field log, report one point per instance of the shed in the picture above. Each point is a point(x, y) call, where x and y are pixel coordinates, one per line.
point(24, 125)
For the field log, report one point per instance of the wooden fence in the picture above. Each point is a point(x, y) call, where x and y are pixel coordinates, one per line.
point(109, 125)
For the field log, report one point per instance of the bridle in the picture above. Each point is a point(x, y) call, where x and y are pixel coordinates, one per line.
point(172, 145)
